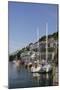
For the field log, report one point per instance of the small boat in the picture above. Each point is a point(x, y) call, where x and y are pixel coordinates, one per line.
point(18, 62)
point(41, 68)
point(14, 61)
point(46, 68)
point(36, 67)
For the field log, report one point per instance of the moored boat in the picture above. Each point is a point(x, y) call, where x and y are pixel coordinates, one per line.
point(46, 68)
point(36, 67)
point(14, 61)
point(18, 62)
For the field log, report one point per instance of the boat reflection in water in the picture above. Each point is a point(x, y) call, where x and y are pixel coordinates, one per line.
point(36, 75)
point(20, 77)
point(36, 79)
point(42, 79)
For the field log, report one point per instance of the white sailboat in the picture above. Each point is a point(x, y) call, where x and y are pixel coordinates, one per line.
point(46, 67)
point(36, 67)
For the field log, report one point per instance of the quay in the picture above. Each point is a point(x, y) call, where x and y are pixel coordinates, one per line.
point(55, 75)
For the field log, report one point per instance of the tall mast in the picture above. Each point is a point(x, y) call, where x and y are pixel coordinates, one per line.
point(46, 41)
point(38, 39)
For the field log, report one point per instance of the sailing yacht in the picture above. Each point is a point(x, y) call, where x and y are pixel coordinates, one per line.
point(36, 67)
point(46, 67)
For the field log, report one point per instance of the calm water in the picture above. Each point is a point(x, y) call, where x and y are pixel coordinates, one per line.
point(23, 78)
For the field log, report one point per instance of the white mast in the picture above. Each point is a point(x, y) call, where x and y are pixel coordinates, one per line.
point(46, 41)
point(38, 39)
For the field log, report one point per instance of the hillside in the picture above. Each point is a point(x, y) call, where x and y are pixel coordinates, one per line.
point(11, 57)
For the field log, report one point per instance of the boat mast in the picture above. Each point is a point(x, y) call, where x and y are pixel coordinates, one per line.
point(46, 41)
point(38, 39)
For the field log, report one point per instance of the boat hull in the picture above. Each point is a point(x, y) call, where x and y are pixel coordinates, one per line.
point(43, 72)
point(35, 70)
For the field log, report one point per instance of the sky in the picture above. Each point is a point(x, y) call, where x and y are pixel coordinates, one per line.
point(25, 18)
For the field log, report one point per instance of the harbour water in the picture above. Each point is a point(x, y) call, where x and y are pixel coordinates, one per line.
point(22, 78)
